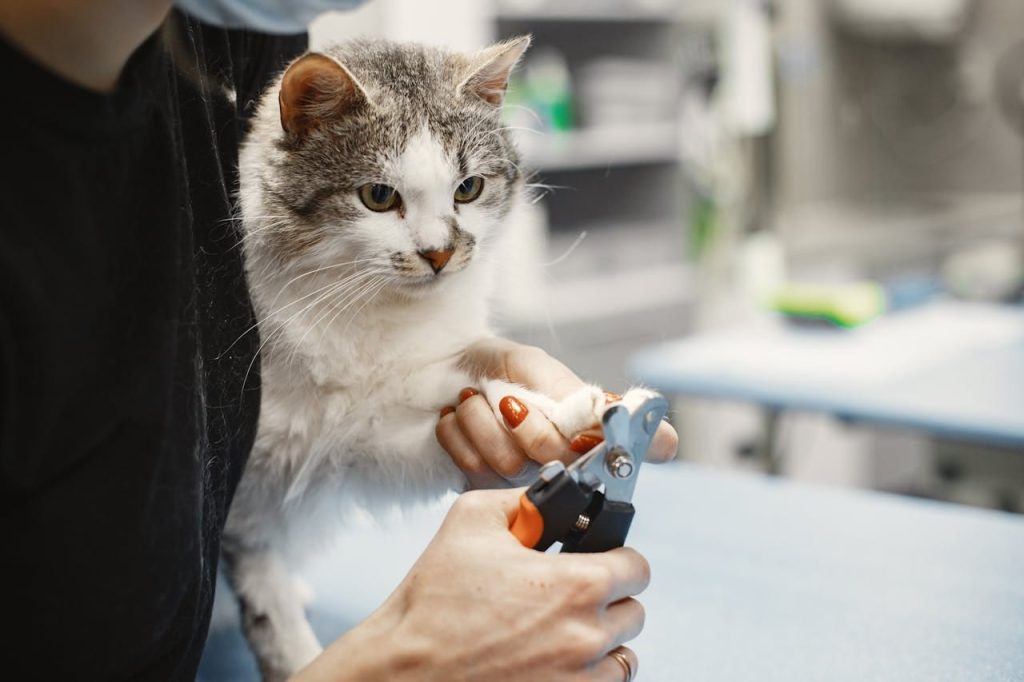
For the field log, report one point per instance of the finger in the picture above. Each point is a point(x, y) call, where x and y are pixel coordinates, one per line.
point(534, 368)
point(489, 438)
point(664, 445)
point(624, 620)
point(610, 669)
point(502, 359)
point(533, 433)
point(629, 572)
point(490, 509)
point(463, 454)
point(459, 448)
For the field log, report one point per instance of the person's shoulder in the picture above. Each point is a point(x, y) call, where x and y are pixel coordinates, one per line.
point(49, 103)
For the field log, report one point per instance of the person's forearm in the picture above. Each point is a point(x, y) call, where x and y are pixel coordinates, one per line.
point(87, 42)
point(373, 650)
point(478, 605)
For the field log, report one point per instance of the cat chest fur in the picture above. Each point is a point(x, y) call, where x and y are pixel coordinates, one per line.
point(342, 395)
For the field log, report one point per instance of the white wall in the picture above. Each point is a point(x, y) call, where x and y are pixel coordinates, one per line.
point(457, 24)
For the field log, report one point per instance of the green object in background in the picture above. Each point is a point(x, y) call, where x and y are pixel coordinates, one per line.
point(845, 305)
point(551, 106)
point(544, 86)
point(703, 214)
point(560, 111)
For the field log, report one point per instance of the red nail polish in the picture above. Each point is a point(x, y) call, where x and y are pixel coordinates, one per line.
point(467, 393)
point(513, 411)
point(584, 443)
point(612, 397)
point(446, 410)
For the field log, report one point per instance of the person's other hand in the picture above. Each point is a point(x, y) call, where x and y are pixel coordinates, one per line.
point(477, 605)
point(488, 451)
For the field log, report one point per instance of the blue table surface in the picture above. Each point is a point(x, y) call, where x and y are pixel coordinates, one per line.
point(754, 579)
point(975, 395)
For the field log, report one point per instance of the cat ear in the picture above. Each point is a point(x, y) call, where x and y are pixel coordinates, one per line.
point(316, 89)
point(490, 69)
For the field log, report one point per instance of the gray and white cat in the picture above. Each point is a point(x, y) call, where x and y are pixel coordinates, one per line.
point(375, 188)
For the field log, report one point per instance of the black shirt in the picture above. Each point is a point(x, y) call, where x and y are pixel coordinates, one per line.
point(129, 392)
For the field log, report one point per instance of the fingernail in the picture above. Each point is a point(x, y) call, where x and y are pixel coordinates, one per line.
point(513, 411)
point(446, 410)
point(584, 443)
point(467, 393)
point(612, 397)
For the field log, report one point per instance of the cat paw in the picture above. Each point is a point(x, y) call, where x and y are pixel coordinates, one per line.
point(635, 397)
point(579, 411)
point(576, 413)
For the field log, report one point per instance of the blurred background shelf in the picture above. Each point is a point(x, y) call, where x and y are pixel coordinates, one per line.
point(604, 146)
point(542, 14)
point(660, 11)
point(603, 81)
point(601, 296)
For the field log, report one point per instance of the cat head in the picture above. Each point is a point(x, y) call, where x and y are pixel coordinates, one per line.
point(382, 159)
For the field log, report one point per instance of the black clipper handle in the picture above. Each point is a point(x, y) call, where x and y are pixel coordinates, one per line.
point(548, 510)
point(608, 527)
point(559, 510)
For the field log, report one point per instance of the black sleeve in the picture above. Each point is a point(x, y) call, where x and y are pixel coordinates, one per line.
point(124, 424)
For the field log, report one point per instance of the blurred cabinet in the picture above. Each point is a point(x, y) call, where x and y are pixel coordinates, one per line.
point(895, 147)
point(611, 166)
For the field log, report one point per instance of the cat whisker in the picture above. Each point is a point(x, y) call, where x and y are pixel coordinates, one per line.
point(565, 254)
point(280, 327)
point(287, 284)
point(498, 131)
point(325, 267)
point(544, 185)
point(527, 109)
point(527, 129)
point(343, 289)
point(278, 331)
point(260, 216)
point(282, 225)
point(276, 312)
point(345, 300)
point(365, 303)
point(330, 285)
point(247, 232)
point(268, 224)
point(515, 165)
point(541, 190)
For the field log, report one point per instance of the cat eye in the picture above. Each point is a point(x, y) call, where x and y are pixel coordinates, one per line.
point(379, 198)
point(469, 190)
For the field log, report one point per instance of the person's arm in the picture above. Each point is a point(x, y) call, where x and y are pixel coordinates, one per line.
point(87, 42)
point(485, 449)
point(477, 605)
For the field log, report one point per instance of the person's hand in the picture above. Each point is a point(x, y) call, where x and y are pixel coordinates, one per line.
point(485, 449)
point(477, 605)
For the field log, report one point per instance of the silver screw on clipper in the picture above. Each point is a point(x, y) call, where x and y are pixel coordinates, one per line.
point(620, 464)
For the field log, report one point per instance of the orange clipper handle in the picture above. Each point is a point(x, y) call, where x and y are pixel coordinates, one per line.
point(549, 508)
point(528, 524)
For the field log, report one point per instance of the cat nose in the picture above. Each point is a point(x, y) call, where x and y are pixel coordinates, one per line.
point(437, 259)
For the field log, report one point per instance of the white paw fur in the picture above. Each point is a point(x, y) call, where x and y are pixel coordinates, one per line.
point(576, 413)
